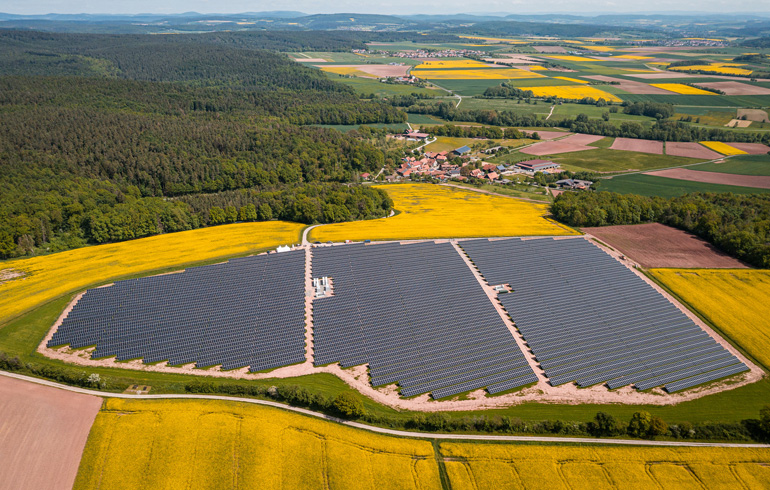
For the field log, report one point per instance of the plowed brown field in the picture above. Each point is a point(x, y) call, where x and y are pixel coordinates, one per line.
point(654, 245)
point(42, 434)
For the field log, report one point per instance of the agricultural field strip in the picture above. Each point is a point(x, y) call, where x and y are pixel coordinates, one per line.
point(204, 315)
point(382, 430)
point(619, 313)
point(393, 310)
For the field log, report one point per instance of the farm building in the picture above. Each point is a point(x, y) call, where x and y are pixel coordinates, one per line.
point(574, 184)
point(532, 167)
point(416, 135)
point(462, 150)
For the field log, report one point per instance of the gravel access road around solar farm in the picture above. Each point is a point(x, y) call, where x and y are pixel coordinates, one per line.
point(381, 430)
point(42, 432)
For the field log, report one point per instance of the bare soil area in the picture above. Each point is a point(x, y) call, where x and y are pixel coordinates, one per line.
point(659, 75)
point(549, 49)
point(738, 123)
point(9, 275)
point(752, 148)
point(757, 115)
point(691, 150)
point(42, 434)
point(554, 148)
point(655, 245)
point(630, 86)
point(736, 88)
point(756, 181)
point(582, 139)
point(641, 146)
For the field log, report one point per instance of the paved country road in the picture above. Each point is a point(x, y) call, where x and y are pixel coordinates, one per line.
point(381, 430)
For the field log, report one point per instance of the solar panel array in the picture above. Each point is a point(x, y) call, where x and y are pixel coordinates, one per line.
point(418, 316)
point(245, 312)
point(589, 319)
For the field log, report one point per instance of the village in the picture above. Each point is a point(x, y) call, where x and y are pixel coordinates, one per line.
point(463, 164)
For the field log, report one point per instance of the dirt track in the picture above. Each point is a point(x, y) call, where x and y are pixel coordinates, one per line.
point(655, 245)
point(755, 181)
point(42, 434)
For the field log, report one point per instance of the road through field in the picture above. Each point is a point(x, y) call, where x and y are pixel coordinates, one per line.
point(382, 430)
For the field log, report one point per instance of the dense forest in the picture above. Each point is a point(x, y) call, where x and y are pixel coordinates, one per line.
point(737, 224)
point(173, 136)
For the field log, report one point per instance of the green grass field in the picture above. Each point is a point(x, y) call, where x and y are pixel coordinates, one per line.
point(468, 87)
point(702, 100)
point(649, 185)
point(605, 160)
point(418, 119)
point(740, 165)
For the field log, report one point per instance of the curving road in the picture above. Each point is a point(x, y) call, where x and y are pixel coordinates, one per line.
point(382, 430)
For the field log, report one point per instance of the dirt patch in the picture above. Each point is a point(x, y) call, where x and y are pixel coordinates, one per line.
point(752, 148)
point(554, 148)
point(690, 150)
point(641, 146)
point(310, 60)
point(738, 123)
point(9, 275)
point(582, 139)
point(736, 88)
point(655, 245)
point(755, 181)
point(757, 115)
point(44, 431)
point(630, 86)
point(549, 49)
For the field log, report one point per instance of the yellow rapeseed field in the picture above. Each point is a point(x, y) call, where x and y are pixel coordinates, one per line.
point(438, 64)
point(680, 88)
point(602, 49)
point(576, 80)
point(722, 148)
point(572, 92)
point(736, 301)
point(346, 70)
point(538, 67)
point(170, 444)
point(572, 58)
point(475, 74)
point(433, 211)
point(499, 466)
point(721, 68)
point(50, 276)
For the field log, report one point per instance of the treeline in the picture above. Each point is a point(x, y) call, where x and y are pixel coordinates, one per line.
point(486, 132)
point(641, 425)
point(737, 224)
point(662, 130)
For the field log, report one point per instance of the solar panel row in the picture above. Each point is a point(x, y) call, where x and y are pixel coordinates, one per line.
point(589, 319)
point(417, 315)
point(245, 312)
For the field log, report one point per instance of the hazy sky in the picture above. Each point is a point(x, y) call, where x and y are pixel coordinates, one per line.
point(380, 6)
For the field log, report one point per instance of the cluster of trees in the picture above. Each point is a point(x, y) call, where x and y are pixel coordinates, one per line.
point(663, 130)
point(737, 224)
point(487, 132)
